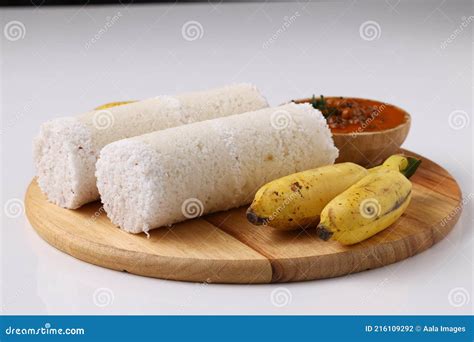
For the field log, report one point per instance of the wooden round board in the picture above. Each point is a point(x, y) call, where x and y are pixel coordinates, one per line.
point(225, 248)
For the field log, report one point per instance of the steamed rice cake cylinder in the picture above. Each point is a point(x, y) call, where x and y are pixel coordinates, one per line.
point(179, 173)
point(66, 149)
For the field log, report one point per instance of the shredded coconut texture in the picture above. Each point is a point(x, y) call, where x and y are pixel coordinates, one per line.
point(66, 149)
point(219, 164)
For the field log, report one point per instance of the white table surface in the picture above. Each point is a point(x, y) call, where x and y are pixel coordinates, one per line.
point(57, 70)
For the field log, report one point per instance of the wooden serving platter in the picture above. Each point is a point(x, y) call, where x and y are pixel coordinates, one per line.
point(225, 248)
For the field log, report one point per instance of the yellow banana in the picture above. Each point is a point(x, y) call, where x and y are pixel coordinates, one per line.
point(366, 208)
point(404, 164)
point(295, 201)
point(113, 104)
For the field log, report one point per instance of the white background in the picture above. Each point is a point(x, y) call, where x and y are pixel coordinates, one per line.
point(57, 69)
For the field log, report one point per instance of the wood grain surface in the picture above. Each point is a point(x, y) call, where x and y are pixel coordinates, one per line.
point(225, 248)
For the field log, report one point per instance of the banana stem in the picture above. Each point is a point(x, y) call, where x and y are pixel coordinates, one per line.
point(406, 165)
point(413, 164)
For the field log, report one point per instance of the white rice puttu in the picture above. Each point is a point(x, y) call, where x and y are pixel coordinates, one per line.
point(66, 149)
point(168, 176)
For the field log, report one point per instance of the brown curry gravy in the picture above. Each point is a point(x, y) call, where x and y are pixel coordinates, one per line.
point(350, 115)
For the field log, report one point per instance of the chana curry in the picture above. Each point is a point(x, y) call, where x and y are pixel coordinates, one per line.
point(349, 115)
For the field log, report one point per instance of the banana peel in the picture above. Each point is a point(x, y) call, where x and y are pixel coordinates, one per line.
point(297, 200)
point(366, 208)
point(113, 104)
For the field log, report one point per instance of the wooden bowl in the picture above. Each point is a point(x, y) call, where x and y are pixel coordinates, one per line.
point(369, 148)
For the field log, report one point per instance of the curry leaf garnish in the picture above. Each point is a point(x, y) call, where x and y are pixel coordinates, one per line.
point(321, 104)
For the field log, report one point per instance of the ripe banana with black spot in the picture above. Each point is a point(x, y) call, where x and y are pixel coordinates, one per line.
point(366, 208)
point(296, 201)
